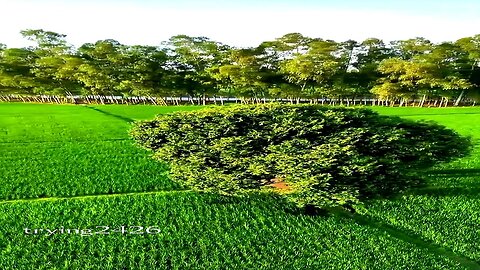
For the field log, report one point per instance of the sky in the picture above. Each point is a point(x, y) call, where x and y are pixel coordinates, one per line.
point(238, 23)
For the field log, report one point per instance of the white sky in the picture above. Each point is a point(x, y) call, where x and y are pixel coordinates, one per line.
point(149, 23)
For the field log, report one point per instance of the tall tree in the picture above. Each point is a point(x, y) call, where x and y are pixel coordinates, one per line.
point(403, 79)
point(54, 57)
point(407, 49)
point(314, 72)
point(143, 71)
point(243, 76)
point(101, 70)
point(470, 65)
point(16, 75)
point(447, 61)
point(192, 57)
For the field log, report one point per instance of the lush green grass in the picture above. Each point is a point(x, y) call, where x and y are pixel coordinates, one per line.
point(64, 150)
point(198, 232)
point(72, 169)
point(57, 123)
point(447, 212)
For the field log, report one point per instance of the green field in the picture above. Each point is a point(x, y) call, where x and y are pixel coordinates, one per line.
point(82, 155)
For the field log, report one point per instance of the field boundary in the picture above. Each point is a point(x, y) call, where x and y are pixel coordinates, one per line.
point(94, 196)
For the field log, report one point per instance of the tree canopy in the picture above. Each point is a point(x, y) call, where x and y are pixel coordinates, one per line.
point(292, 66)
point(315, 155)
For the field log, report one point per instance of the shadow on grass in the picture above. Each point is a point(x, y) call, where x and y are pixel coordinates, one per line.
point(454, 173)
point(123, 118)
point(272, 204)
point(408, 236)
point(468, 191)
point(436, 114)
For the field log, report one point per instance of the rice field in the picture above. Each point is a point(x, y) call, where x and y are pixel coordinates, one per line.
point(68, 172)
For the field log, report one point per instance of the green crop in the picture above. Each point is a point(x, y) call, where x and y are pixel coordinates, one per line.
point(52, 150)
point(197, 232)
point(64, 150)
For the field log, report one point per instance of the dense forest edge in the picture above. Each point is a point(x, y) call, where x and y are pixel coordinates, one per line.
point(196, 70)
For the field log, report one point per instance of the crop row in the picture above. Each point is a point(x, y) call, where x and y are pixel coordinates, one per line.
point(73, 169)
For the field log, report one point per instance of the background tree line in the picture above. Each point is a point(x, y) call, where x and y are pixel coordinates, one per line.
point(292, 67)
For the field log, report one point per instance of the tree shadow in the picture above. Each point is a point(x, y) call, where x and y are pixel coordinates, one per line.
point(408, 236)
point(454, 172)
point(438, 114)
point(123, 118)
point(468, 191)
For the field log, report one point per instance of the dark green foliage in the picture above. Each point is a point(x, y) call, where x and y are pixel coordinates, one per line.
point(314, 155)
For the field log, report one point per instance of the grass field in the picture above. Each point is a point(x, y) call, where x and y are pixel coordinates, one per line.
point(82, 155)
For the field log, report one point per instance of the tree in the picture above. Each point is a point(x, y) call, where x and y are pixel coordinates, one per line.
point(446, 59)
point(290, 44)
point(406, 74)
point(469, 66)
point(143, 71)
point(192, 58)
point(312, 155)
point(47, 43)
point(101, 69)
point(16, 75)
point(403, 79)
point(407, 49)
point(53, 63)
point(425, 74)
point(316, 69)
point(243, 75)
point(370, 53)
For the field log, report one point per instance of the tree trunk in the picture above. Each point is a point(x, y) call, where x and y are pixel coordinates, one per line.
point(423, 101)
point(153, 100)
point(459, 98)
